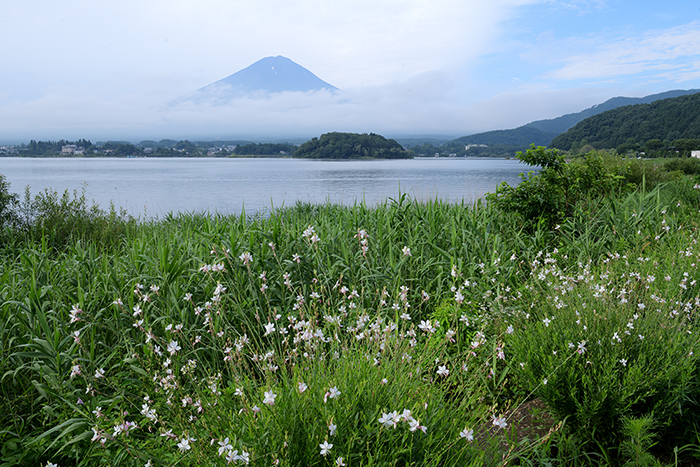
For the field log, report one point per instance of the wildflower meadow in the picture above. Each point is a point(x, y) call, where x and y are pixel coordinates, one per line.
point(405, 334)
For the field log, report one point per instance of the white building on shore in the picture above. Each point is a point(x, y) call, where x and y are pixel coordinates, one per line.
point(72, 149)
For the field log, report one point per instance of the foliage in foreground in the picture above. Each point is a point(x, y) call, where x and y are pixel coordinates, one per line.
point(405, 334)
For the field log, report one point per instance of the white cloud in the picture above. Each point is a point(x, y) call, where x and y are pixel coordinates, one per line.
point(81, 68)
point(424, 104)
point(667, 53)
point(349, 44)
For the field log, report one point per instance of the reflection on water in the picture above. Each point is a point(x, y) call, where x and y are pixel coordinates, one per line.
point(155, 186)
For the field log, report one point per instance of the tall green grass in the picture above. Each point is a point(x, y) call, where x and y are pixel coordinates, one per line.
point(164, 341)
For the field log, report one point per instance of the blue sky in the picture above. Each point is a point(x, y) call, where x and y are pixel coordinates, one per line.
point(105, 70)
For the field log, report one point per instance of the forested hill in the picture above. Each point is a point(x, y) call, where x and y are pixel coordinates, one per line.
point(542, 132)
point(666, 119)
point(351, 146)
point(561, 124)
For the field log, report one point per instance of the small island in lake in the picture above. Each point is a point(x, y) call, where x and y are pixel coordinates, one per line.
point(352, 146)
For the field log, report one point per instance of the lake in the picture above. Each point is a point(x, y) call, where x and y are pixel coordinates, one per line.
point(153, 187)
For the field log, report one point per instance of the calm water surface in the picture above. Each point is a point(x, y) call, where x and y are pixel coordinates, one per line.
point(153, 187)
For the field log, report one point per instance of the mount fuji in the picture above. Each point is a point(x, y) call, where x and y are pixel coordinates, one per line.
point(267, 76)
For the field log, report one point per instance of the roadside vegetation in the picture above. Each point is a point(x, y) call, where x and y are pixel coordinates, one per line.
point(551, 324)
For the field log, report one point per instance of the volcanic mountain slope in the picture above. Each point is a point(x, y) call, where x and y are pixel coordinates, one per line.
point(266, 76)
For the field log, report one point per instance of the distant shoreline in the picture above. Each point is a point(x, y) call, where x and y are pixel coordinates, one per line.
point(14, 156)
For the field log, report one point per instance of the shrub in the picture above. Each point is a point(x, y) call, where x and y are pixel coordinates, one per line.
point(688, 166)
point(60, 219)
point(8, 204)
point(551, 194)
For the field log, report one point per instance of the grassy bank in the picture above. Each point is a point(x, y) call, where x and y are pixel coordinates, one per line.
point(507, 332)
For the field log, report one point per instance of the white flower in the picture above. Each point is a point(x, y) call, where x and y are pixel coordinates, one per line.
point(325, 447)
point(232, 456)
point(500, 422)
point(415, 425)
point(406, 251)
point(246, 257)
point(339, 462)
point(332, 428)
point(308, 232)
point(386, 419)
point(443, 371)
point(225, 446)
point(269, 328)
point(100, 373)
point(333, 392)
point(74, 313)
point(302, 386)
point(269, 398)
point(184, 445)
point(467, 434)
point(173, 347)
point(581, 347)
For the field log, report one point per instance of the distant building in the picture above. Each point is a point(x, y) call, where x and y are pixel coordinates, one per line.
point(69, 149)
point(469, 146)
point(695, 154)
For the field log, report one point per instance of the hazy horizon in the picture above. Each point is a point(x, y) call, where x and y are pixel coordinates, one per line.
point(446, 68)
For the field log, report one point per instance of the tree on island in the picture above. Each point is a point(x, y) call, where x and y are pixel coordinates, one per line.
point(351, 146)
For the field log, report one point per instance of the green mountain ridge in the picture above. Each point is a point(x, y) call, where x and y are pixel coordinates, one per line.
point(543, 132)
point(669, 119)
